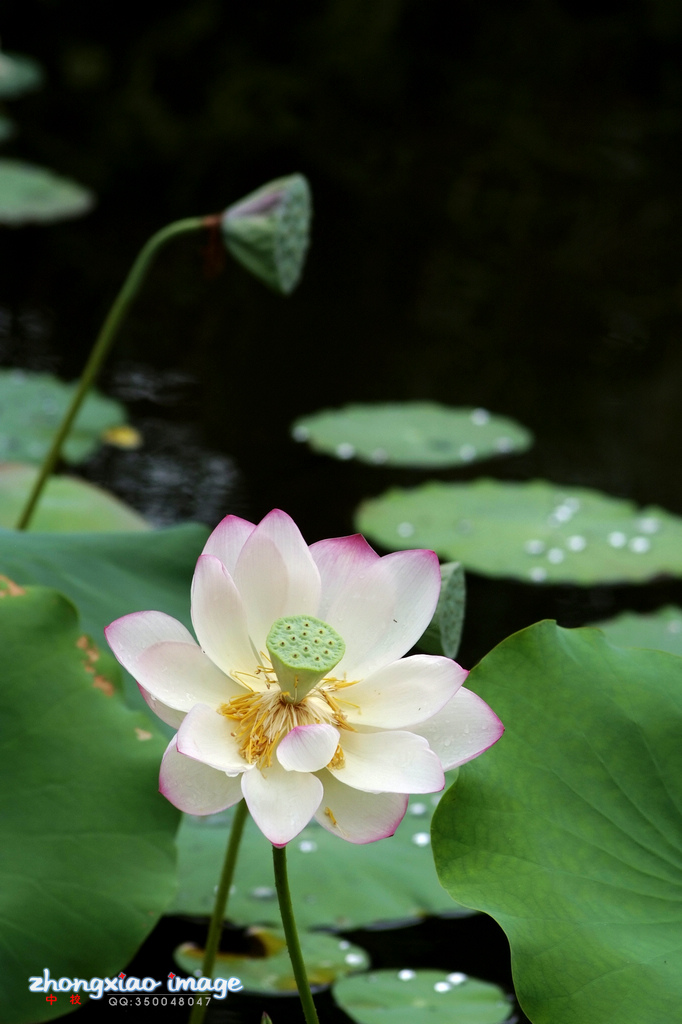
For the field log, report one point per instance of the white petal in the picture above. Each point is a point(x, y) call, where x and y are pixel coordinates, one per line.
point(356, 816)
point(228, 539)
point(134, 633)
point(181, 675)
point(219, 619)
point(384, 610)
point(404, 692)
point(389, 762)
point(340, 561)
point(276, 575)
point(167, 714)
point(193, 786)
point(281, 803)
point(207, 736)
point(307, 748)
point(462, 730)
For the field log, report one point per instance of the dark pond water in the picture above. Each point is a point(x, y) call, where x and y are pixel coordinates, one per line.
point(498, 216)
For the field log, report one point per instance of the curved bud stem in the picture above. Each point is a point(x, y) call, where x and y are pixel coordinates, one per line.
point(100, 349)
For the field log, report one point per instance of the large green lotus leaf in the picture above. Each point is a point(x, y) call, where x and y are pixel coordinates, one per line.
point(334, 883)
point(569, 831)
point(18, 74)
point(661, 630)
point(412, 997)
point(267, 968)
point(107, 575)
point(32, 405)
point(87, 862)
point(67, 505)
point(418, 434)
point(537, 532)
point(34, 195)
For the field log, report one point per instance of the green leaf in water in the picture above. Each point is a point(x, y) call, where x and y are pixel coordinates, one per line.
point(18, 74)
point(417, 434)
point(67, 505)
point(568, 831)
point(661, 630)
point(32, 405)
point(35, 195)
point(88, 858)
point(335, 884)
point(444, 633)
point(412, 997)
point(266, 969)
point(536, 532)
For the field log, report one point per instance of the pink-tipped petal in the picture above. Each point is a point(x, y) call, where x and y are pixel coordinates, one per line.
point(276, 575)
point(219, 619)
point(167, 714)
point(356, 816)
point(181, 675)
point(340, 561)
point(195, 787)
point(228, 539)
point(207, 736)
point(404, 692)
point(134, 633)
point(389, 762)
point(281, 803)
point(462, 730)
point(383, 611)
point(307, 748)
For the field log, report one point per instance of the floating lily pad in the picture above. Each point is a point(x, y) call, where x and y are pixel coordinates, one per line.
point(418, 434)
point(67, 505)
point(88, 859)
point(661, 630)
point(32, 405)
point(267, 970)
point(536, 532)
point(35, 195)
point(411, 997)
point(334, 883)
point(568, 831)
point(18, 74)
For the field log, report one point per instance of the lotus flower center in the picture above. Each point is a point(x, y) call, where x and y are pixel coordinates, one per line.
point(303, 650)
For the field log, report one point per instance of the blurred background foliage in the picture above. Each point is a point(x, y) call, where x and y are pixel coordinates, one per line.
point(497, 221)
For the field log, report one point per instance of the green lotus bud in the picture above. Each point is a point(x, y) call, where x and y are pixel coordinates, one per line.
point(267, 231)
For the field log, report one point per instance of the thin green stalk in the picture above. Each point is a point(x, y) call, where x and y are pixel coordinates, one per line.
point(279, 857)
point(215, 928)
point(100, 349)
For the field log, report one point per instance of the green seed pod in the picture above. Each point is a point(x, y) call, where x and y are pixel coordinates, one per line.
point(303, 650)
point(268, 231)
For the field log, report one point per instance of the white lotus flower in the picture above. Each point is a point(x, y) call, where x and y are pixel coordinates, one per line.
point(297, 696)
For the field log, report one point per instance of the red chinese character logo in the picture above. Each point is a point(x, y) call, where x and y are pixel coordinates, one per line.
point(50, 999)
point(75, 1000)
